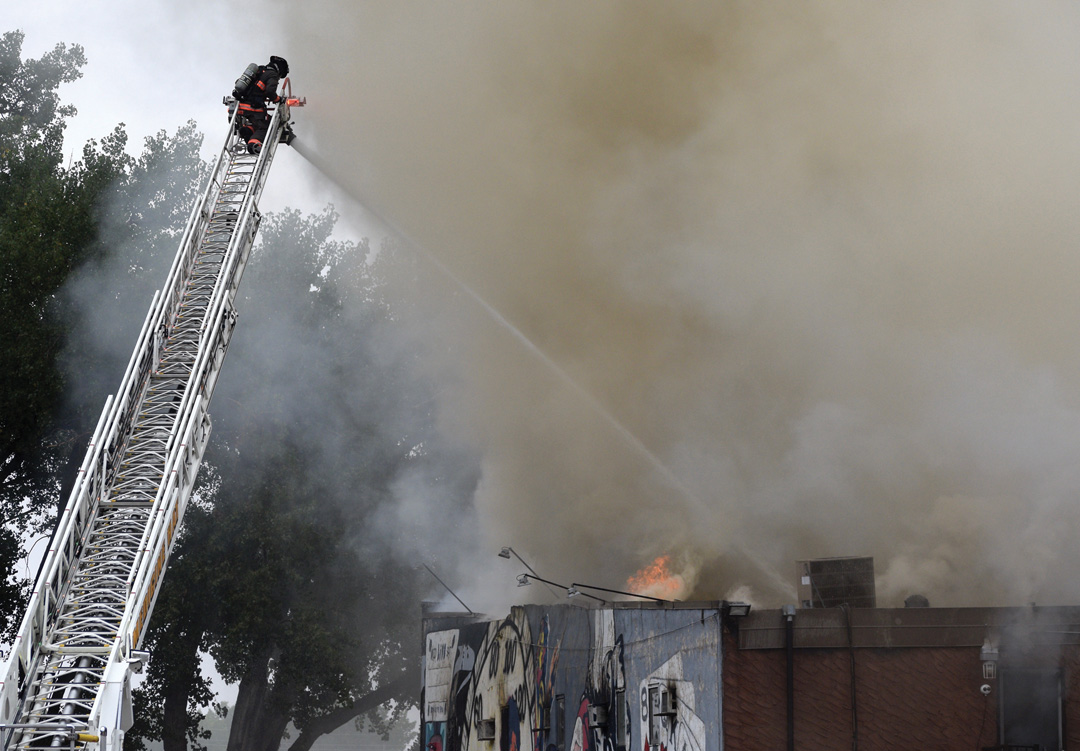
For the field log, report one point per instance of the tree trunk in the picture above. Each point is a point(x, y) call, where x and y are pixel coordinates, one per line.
point(257, 725)
point(183, 659)
point(174, 723)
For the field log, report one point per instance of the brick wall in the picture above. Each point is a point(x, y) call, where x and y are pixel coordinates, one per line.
point(913, 698)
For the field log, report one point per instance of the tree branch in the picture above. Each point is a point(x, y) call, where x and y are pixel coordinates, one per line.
point(333, 720)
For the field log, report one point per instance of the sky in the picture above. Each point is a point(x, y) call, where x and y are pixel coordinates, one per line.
point(154, 65)
point(770, 282)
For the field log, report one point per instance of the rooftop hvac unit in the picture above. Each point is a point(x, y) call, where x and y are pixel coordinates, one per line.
point(831, 582)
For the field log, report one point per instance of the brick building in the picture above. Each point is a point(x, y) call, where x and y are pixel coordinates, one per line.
point(699, 677)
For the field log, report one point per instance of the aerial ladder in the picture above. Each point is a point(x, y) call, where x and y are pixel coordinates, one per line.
point(67, 677)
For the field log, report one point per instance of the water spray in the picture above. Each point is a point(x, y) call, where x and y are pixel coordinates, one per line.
point(624, 433)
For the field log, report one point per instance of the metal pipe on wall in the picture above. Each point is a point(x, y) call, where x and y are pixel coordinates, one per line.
point(788, 612)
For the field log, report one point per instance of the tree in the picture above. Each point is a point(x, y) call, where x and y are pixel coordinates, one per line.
point(54, 220)
point(47, 228)
point(36, 254)
point(279, 576)
point(315, 423)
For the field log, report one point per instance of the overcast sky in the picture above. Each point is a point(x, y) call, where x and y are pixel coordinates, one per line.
point(153, 65)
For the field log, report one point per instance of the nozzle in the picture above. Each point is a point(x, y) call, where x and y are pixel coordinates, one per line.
point(296, 101)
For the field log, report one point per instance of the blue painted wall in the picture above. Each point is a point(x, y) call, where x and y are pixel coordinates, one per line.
point(563, 678)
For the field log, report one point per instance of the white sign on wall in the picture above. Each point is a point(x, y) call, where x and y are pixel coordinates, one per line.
point(438, 673)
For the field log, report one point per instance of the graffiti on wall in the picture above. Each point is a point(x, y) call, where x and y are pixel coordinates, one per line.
point(668, 720)
point(546, 659)
point(498, 692)
point(597, 726)
point(493, 687)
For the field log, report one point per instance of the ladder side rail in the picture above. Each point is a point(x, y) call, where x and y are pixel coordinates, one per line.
point(22, 661)
point(198, 390)
point(212, 315)
point(65, 544)
point(168, 301)
point(162, 533)
point(178, 276)
point(114, 422)
point(60, 562)
point(194, 388)
point(210, 354)
point(218, 308)
point(132, 385)
point(193, 233)
point(163, 314)
point(168, 505)
point(91, 485)
point(162, 311)
point(143, 595)
point(107, 710)
point(216, 328)
point(184, 457)
point(199, 217)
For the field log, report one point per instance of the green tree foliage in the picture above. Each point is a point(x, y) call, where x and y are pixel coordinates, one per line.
point(52, 224)
point(320, 413)
point(38, 250)
point(47, 228)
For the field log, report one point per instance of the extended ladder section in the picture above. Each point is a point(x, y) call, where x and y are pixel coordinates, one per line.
point(66, 680)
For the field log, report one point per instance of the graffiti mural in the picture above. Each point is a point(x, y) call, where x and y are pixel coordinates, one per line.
point(604, 698)
point(505, 686)
point(580, 739)
point(668, 720)
point(509, 687)
point(546, 659)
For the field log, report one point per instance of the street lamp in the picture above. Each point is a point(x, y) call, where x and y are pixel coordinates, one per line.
point(508, 551)
point(523, 581)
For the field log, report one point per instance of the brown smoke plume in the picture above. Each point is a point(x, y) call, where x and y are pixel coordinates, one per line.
point(820, 258)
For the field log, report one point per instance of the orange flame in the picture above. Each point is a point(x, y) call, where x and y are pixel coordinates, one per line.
point(656, 580)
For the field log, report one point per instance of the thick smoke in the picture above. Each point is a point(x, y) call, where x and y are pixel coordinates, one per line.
point(819, 258)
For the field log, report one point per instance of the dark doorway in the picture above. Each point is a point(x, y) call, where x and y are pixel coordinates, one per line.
point(1031, 707)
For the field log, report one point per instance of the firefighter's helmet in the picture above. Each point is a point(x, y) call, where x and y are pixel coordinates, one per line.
point(281, 64)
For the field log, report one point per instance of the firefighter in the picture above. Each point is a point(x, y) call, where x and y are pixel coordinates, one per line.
point(252, 102)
